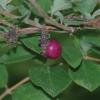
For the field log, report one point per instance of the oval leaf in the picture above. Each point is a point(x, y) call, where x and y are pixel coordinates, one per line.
point(72, 52)
point(87, 75)
point(28, 92)
point(32, 43)
point(86, 6)
point(59, 5)
point(52, 79)
point(17, 55)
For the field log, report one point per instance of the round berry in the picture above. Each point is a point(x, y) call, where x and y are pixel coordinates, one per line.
point(53, 49)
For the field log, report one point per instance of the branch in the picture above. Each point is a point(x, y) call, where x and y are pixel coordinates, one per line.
point(47, 19)
point(92, 58)
point(4, 22)
point(35, 29)
point(9, 90)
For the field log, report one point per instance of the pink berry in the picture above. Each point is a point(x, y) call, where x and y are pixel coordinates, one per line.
point(53, 50)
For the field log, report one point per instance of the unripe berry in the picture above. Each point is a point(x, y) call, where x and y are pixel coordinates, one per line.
point(53, 49)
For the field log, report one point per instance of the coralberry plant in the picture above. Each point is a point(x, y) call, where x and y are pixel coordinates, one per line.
point(65, 66)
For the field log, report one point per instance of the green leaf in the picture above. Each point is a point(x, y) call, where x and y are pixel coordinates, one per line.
point(45, 4)
point(86, 47)
point(92, 38)
point(59, 5)
point(73, 22)
point(87, 75)
point(94, 53)
point(72, 56)
point(23, 10)
point(97, 51)
point(3, 76)
point(17, 2)
point(19, 55)
point(4, 48)
point(72, 52)
point(53, 80)
point(29, 92)
point(3, 4)
point(86, 6)
point(32, 43)
point(88, 39)
point(96, 13)
point(11, 8)
point(59, 16)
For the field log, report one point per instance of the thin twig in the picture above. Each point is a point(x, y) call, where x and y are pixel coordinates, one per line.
point(9, 90)
point(92, 58)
